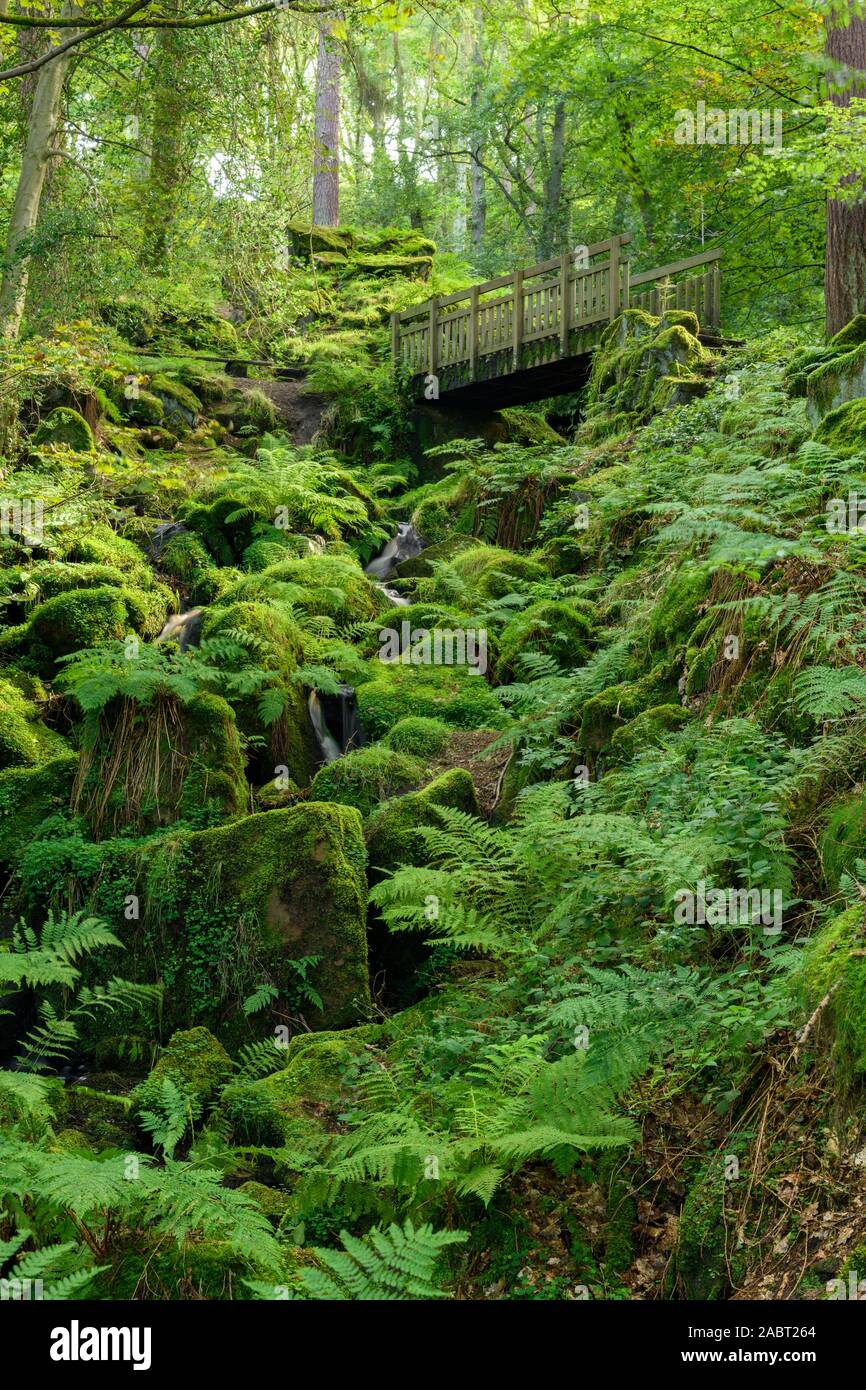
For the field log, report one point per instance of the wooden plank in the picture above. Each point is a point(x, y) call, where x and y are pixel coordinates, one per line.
point(517, 321)
point(613, 282)
point(473, 332)
point(395, 339)
point(564, 315)
point(432, 347)
point(675, 267)
point(717, 298)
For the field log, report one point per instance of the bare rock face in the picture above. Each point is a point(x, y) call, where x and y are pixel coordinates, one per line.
point(301, 410)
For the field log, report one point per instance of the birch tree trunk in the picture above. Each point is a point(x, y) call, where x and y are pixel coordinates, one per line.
point(326, 159)
point(42, 128)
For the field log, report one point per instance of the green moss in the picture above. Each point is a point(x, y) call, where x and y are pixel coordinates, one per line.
point(528, 427)
point(700, 1261)
point(85, 617)
point(255, 412)
point(447, 693)
point(646, 730)
point(639, 367)
point(852, 334)
point(261, 554)
point(101, 1117)
point(332, 586)
point(184, 558)
point(273, 639)
point(603, 714)
point(145, 409)
point(392, 831)
point(367, 776)
point(562, 630)
point(835, 960)
point(177, 399)
point(621, 1212)
point(676, 612)
point(53, 577)
point(64, 426)
point(195, 1061)
point(24, 739)
point(271, 1200)
point(424, 738)
point(226, 909)
point(99, 545)
point(844, 838)
point(844, 429)
point(29, 796)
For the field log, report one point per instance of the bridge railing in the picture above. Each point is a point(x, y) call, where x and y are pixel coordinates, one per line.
point(530, 315)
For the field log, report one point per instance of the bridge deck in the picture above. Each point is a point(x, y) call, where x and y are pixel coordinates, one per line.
point(528, 335)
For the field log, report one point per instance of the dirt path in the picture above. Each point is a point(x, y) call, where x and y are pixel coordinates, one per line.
point(301, 411)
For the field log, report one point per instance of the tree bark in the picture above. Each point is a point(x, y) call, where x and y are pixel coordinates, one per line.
point(173, 91)
point(326, 159)
point(477, 185)
point(845, 261)
point(551, 238)
point(42, 129)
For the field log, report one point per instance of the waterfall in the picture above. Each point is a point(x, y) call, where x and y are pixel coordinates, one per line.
point(335, 712)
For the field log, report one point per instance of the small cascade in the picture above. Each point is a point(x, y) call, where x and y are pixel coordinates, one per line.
point(404, 546)
point(329, 713)
point(183, 628)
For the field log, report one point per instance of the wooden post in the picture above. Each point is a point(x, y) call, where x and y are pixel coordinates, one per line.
point(717, 297)
point(473, 331)
point(564, 268)
point(613, 294)
point(433, 330)
point(517, 321)
point(626, 287)
point(395, 340)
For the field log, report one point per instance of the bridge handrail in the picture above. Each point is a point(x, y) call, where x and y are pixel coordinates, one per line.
point(544, 305)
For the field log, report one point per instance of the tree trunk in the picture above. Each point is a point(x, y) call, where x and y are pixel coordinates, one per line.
point(845, 262)
point(42, 128)
point(551, 238)
point(326, 159)
point(172, 94)
point(477, 185)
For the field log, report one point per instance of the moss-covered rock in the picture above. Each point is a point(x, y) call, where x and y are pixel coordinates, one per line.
point(366, 777)
point(834, 963)
point(641, 364)
point(677, 609)
point(423, 738)
point(392, 831)
point(195, 1061)
point(562, 630)
point(29, 796)
point(844, 838)
point(81, 618)
point(701, 1262)
point(24, 739)
point(64, 426)
point(646, 730)
point(603, 714)
point(448, 693)
point(844, 429)
point(227, 909)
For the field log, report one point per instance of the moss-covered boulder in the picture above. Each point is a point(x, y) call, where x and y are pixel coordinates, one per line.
point(701, 1261)
point(149, 765)
point(642, 365)
point(603, 714)
point(64, 427)
point(392, 832)
point(677, 609)
point(80, 618)
point(24, 739)
point(646, 730)
point(423, 738)
point(844, 837)
point(29, 796)
point(227, 910)
point(449, 693)
point(366, 777)
point(834, 964)
point(844, 429)
point(562, 630)
point(195, 1061)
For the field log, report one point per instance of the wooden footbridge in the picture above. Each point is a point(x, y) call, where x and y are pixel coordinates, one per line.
point(530, 334)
